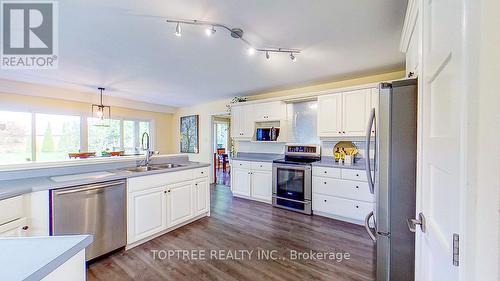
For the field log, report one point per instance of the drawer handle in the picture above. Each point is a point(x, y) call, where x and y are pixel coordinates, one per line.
point(25, 227)
point(325, 200)
point(325, 182)
point(357, 175)
point(202, 172)
point(357, 186)
point(357, 206)
point(325, 172)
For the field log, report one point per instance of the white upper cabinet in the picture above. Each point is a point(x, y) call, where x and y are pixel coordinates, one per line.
point(411, 39)
point(355, 109)
point(269, 111)
point(330, 115)
point(242, 123)
point(344, 114)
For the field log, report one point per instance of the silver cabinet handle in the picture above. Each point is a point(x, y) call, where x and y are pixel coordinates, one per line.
point(293, 200)
point(368, 228)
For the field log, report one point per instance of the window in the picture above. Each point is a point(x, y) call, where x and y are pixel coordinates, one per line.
point(56, 136)
point(15, 137)
point(103, 138)
point(26, 136)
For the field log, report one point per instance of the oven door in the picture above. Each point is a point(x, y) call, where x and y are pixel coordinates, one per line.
point(292, 187)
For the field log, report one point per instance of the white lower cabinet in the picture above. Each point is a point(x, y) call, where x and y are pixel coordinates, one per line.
point(147, 213)
point(201, 194)
point(240, 182)
point(180, 207)
point(161, 202)
point(342, 194)
point(261, 185)
point(16, 228)
point(252, 180)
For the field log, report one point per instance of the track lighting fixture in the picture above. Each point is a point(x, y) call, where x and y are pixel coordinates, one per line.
point(178, 30)
point(236, 33)
point(210, 31)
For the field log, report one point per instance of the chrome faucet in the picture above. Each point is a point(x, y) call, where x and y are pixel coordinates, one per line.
point(145, 146)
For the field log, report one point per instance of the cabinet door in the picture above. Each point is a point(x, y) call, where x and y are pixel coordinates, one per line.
point(247, 122)
point(262, 185)
point(146, 213)
point(16, 228)
point(330, 115)
point(202, 198)
point(355, 111)
point(236, 121)
point(180, 202)
point(269, 111)
point(240, 182)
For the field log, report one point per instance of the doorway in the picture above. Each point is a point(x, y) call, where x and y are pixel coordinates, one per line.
point(221, 144)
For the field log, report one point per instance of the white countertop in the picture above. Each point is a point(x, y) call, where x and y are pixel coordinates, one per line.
point(33, 258)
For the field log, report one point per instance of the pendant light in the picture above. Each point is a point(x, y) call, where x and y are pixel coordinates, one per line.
point(101, 114)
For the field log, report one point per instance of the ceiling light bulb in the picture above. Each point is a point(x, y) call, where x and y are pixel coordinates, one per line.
point(210, 31)
point(178, 30)
point(293, 58)
point(268, 57)
point(100, 112)
point(251, 50)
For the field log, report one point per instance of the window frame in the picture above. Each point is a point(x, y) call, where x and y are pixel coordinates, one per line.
point(84, 132)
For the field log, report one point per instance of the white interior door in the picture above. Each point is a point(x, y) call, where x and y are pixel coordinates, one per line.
point(441, 139)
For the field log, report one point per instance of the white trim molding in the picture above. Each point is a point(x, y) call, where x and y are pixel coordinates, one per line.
point(411, 16)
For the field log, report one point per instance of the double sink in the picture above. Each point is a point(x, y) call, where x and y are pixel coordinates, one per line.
point(152, 167)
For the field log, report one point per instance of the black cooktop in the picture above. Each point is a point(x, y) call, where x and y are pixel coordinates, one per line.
point(296, 160)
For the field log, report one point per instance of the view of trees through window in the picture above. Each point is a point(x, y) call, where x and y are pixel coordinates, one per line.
point(56, 136)
point(53, 136)
point(15, 137)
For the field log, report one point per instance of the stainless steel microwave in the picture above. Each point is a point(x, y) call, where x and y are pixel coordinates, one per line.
point(267, 134)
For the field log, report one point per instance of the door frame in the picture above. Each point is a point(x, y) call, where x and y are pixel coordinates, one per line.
point(212, 139)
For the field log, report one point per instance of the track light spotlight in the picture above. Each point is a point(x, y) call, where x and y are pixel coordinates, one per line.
point(293, 58)
point(251, 50)
point(210, 31)
point(178, 30)
point(268, 57)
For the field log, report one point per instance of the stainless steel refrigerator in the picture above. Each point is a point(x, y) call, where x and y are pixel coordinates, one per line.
point(393, 182)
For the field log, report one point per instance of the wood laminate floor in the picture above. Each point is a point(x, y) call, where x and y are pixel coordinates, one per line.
point(238, 225)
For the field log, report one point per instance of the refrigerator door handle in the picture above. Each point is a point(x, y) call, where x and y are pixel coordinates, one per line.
point(368, 228)
point(371, 123)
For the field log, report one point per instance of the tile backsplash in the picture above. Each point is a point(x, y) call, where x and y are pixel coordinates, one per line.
point(327, 148)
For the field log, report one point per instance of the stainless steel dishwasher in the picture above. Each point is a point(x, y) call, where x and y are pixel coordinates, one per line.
point(97, 209)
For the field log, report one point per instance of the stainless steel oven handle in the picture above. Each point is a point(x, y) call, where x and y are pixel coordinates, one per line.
point(88, 188)
point(293, 200)
point(292, 167)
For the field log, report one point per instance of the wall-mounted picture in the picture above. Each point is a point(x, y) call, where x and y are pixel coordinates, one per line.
point(189, 134)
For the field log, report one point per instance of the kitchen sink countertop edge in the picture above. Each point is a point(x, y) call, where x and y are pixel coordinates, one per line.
point(33, 258)
point(15, 187)
point(257, 157)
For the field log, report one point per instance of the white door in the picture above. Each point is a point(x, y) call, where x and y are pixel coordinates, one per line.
point(16, 228)
point(180, 202)
point(262, 185)
point(146, 213)
point(240, 183)
point(442, 147)
point(201, 197)
point(330, 115)
point(355, 109)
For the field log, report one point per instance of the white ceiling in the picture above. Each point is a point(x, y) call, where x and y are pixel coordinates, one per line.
point(127, 47)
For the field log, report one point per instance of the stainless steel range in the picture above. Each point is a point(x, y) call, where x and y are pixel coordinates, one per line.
point(292, 178)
